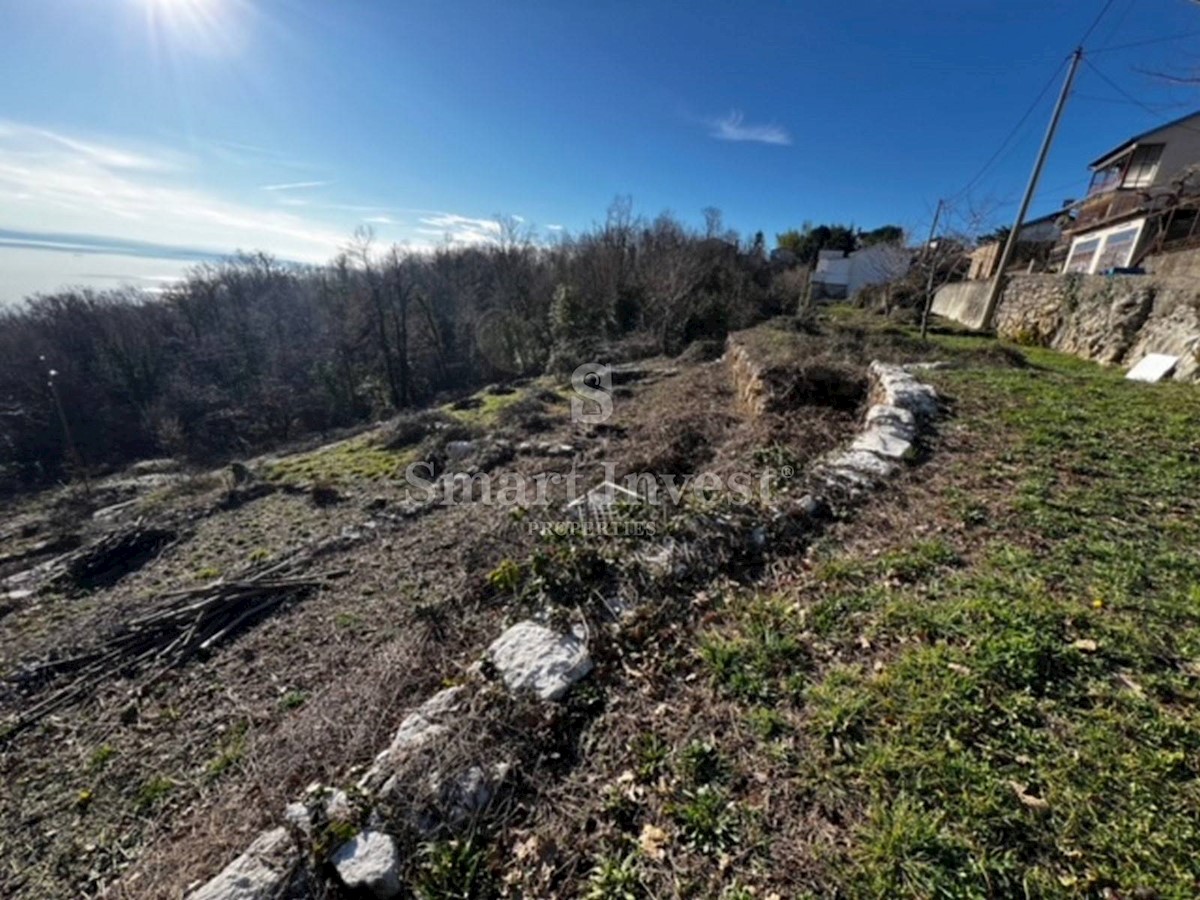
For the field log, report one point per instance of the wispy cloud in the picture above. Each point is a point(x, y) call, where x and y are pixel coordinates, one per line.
point(108, 246)
point(295, 186)
point(456, 229)
point(54, 182)
point(733, 127)
point(380, 220)
point(28, 140)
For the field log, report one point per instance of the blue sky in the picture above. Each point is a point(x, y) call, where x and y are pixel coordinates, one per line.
point(211, 125)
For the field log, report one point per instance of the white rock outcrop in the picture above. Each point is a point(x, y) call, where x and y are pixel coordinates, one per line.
point(261, 873)
point(531, 657)
point(426, 724)
point(371, 862)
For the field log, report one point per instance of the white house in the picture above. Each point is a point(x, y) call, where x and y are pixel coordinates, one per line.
point(839, 276)
point(1132, 185)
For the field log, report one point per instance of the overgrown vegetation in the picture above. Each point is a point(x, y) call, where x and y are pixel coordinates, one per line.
point(253, 353)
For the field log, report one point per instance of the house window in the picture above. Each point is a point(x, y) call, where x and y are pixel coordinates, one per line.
point(1118, 249)
point(1107, 179)
point(1082, 255)
point(1143, 166)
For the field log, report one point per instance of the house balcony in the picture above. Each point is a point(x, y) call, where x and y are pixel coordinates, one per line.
point(1114, 206)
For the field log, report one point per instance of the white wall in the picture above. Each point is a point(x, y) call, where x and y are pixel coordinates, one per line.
point(1182, 150)
point(832, 269)
point(878, 264)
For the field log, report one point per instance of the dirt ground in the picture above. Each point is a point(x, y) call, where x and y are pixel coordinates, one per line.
point(157, 779)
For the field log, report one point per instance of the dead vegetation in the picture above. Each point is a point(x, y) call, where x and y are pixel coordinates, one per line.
point(165, 778)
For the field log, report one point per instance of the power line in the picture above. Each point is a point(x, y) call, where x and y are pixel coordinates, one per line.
point(1145, 43)
point(1132, 99)
point(1004, 144)
point(1103, 12)
point(1096, 98)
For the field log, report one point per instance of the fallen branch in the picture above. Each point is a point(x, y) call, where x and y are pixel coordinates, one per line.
point(190, 622)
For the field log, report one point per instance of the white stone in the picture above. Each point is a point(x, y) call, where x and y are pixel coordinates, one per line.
point(298, 818)
point(463, 795)
point(862, 462)
point(338, 807)
point(847, 480)
point(901, 389)
point(370, 862)
point(883, 440)
point(423, 725)
point(1153, 367)
point(260, 873)
point(899, 419)
point(531, 657)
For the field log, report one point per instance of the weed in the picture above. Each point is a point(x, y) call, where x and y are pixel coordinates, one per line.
point(701, 763)
point(707, 819)
point(293, 700)
point(768, 724)
point(506, 577)
point(455, 870)
point(230, 751)
point(650, 756)
point(100, 757)
point(615, 879)
point(153, 792)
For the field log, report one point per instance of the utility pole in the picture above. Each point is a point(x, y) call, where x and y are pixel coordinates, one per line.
point(937, 215)
point(1010, 245)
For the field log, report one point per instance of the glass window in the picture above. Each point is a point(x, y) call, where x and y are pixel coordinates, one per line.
point(1081, 256)
point(1143, 166)
point(1118, 250)
point(1107, 179)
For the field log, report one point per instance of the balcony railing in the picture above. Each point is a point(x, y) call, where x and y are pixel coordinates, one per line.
point(1111, 207)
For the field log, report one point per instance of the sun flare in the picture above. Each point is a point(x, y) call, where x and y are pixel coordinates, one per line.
point(207, 26)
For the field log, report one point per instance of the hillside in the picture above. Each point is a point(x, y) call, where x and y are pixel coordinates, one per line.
point(979, 681)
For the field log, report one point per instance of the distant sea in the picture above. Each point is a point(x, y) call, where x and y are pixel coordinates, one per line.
point(25, 271)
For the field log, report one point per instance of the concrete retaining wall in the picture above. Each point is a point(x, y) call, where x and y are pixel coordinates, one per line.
point(1113, 320)
point(963, 301)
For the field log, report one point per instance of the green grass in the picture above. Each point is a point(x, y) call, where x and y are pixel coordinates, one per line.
point(455, 870)
point(487, 414)
point(1031, 726)
point(1001, 696)
point(358, 459)
point(761, 660)
point(231, 748)
point(153, 792)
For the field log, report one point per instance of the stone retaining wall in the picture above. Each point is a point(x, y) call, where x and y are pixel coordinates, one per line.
point(748, 381)
point(1113, 320)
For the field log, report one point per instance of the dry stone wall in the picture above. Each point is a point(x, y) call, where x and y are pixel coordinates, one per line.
point(1113, 320)
point(749, 382)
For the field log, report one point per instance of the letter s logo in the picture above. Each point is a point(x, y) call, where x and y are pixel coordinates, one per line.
point(592, 382)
